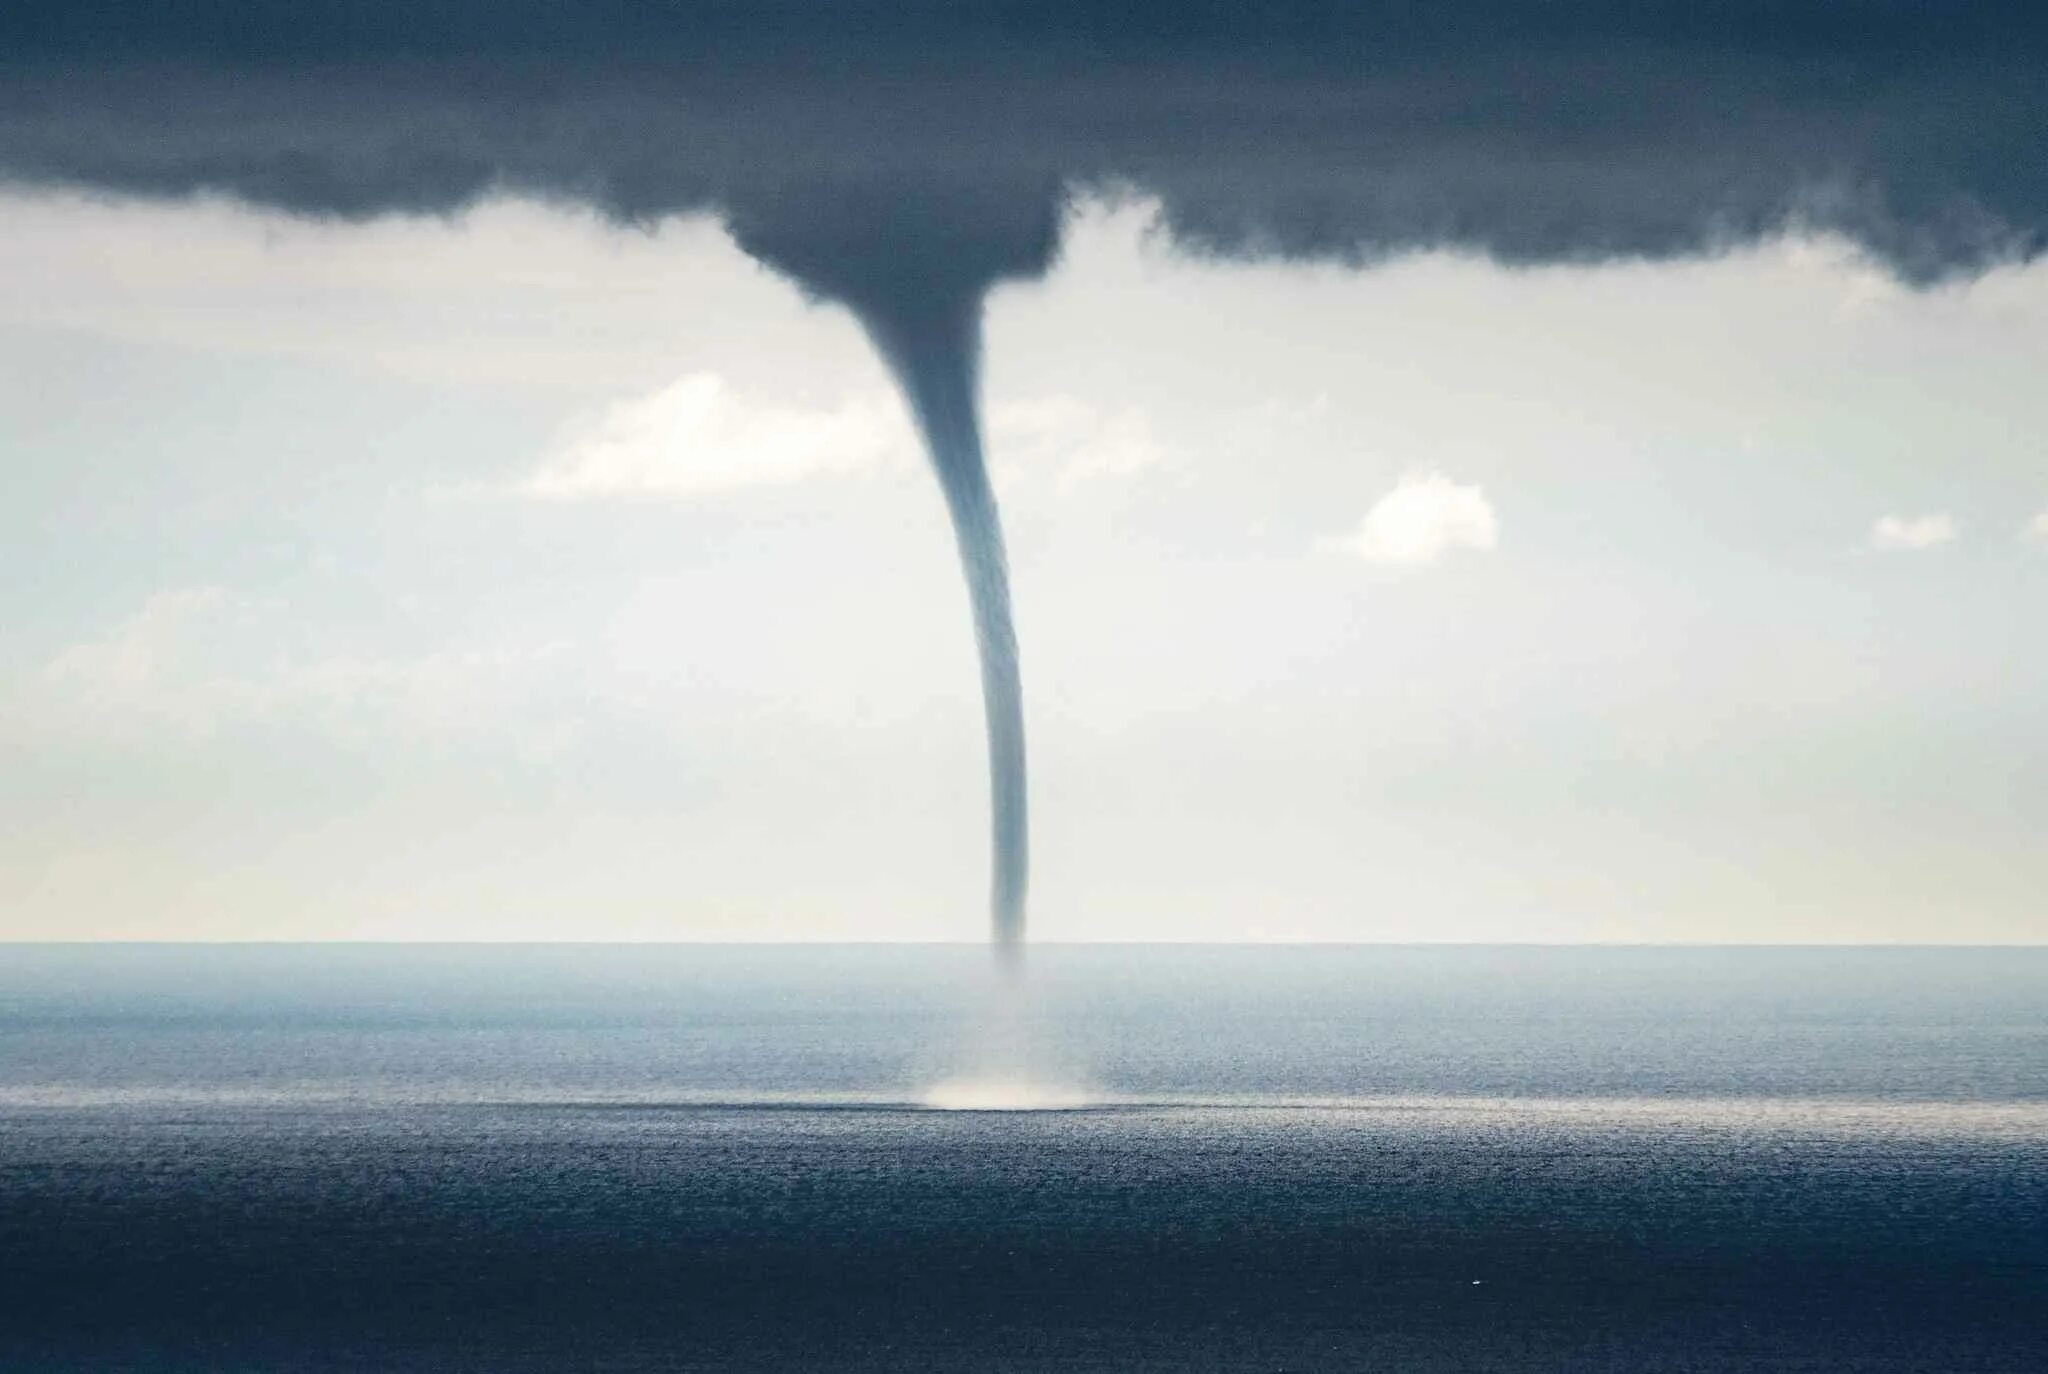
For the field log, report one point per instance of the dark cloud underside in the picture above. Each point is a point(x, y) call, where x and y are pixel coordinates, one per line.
point(1534, 132)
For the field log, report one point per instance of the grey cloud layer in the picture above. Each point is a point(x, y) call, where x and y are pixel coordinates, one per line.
point(832, 134)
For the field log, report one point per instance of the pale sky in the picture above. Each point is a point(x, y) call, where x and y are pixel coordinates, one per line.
point(520, 577)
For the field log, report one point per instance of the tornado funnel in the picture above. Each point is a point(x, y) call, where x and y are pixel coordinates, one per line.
point(935, 353)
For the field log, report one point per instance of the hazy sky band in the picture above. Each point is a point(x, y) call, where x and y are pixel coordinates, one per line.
point(581, 609)
point(884, 155)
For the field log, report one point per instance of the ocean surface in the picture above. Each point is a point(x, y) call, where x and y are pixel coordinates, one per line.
point(527, 1158)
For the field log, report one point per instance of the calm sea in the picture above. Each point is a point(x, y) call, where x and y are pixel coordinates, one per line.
point(525, 1158)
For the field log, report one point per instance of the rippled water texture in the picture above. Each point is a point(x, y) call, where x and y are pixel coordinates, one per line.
point(1403, 1159)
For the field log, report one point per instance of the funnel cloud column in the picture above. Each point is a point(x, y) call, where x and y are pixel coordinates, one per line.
point(914, 263)
point(934, 349)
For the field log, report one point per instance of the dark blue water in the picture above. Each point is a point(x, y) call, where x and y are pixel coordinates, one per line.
point(550, 1158)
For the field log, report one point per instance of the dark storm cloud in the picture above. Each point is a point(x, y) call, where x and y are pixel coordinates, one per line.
point(831, 131)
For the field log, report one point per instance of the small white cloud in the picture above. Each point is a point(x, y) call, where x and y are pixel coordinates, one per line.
point(2038, 527)
point(1071, 438)
point(697, 436)
point(1903, 533)
point(1424, 517)
point(125, 664)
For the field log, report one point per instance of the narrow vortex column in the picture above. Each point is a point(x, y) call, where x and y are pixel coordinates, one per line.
point(935, 352)
point(914, 260)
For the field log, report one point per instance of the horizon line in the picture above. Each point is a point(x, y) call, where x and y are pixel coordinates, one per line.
point(199, 942)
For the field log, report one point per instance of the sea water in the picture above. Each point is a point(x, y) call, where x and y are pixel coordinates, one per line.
point(1136, 1157)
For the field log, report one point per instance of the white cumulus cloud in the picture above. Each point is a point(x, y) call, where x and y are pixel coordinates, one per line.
point(126, 664)
point(2038, 526)
point(1071, 438)
point(1908, 533)
point(1424, 517)
point(698, 436)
